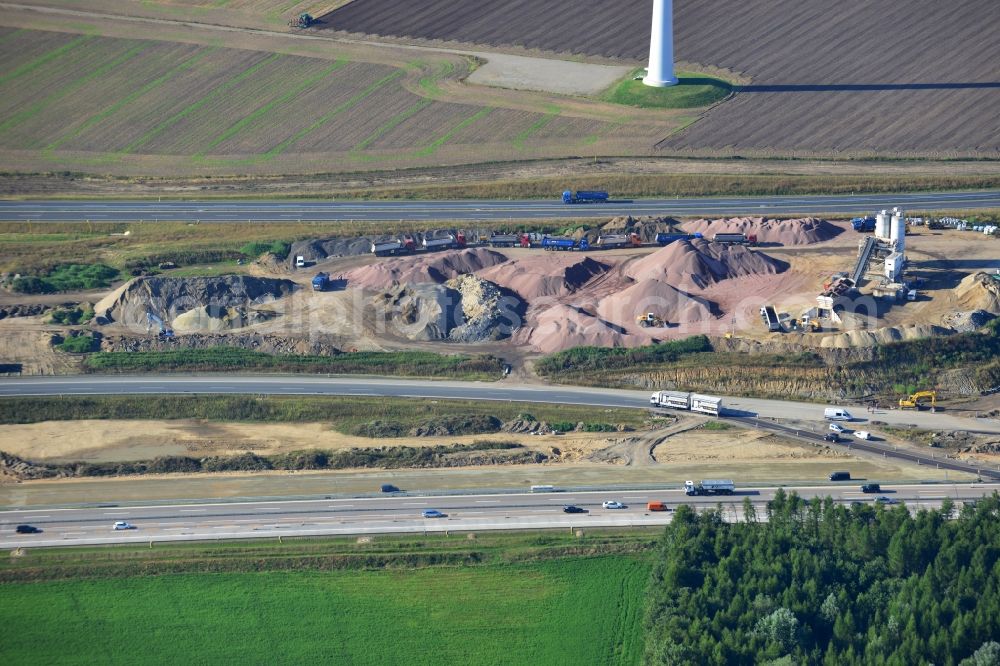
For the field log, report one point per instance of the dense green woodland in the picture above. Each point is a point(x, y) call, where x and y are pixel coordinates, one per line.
point(817, 583)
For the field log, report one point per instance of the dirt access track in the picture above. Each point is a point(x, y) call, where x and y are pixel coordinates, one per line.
point(912, 77)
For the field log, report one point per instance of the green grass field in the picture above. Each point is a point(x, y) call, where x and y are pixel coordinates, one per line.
point(691, 91)
point(563, 611)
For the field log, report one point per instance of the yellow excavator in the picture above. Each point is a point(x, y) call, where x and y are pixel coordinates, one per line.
point(918, 400)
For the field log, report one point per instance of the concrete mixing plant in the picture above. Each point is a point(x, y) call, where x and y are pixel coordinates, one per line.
point(660, 72)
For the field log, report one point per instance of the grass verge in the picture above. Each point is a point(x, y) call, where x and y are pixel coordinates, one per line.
point(497, 599)
point(691, 91)
point(347, 414)
point(400, 364)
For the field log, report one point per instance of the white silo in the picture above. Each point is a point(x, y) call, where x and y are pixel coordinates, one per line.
point(660, 72)
point(883, 224)
point(898, 232)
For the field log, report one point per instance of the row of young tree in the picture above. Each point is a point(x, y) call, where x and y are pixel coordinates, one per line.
point(814, 582)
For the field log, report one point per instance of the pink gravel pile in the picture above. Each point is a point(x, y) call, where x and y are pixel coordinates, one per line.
point(698, 263)
point(436, 268)
point(666, 301)
point(804, 231)
point(545, 274)
point(562, 326)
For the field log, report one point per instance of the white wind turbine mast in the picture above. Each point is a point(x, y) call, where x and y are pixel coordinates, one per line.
point(660, 72)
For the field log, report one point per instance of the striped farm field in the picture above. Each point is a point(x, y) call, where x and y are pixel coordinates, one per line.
point(84, 99)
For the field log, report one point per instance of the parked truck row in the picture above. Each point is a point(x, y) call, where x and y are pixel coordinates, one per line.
point(694, 402)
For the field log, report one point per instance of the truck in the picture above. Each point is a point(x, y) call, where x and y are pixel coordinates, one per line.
point(735, 239)
point(445, 243)
point(510, 240)
point(710, 487)
point(607, 241)
point(671, 399)
point(663, 238)
point(863, 224)
point(553, 243)
point(584, 196)
point(695, 402)
point(394, 247)
point(321, 282)
point(770, 318)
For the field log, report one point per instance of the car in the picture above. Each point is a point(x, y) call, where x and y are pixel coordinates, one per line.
point(612, 504)
point(27, 529)
point(569, 508)
point(122, 525)
point(862, 434)
point(389, 488)
point(837, 428)
point(882, 499)
point(433, 513)
point(871, 488)
point(831, 437)
point(840, 476)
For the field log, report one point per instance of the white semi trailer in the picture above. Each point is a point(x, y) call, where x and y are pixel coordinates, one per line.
point(695, 402)
point(710, 487)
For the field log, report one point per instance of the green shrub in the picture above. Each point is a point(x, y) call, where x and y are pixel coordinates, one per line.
point(32, 285)
point(72, 316)
point(81, 344)
point(254, 249)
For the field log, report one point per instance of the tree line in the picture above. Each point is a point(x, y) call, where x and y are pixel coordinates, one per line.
point(814, 582)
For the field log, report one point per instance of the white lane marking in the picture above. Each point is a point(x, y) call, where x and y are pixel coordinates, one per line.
point(341, 506)
point(191, 510)
point(414, 504)
point(487, 501)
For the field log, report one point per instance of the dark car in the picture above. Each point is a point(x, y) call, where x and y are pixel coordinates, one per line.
point(27, 529)
point(840, 476)
point(389, 488)
point(871, 488)
point(569, 508)
point(831, 437)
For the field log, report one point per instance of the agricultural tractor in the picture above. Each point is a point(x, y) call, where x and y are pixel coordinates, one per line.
point(302, 21)
point(650, 320)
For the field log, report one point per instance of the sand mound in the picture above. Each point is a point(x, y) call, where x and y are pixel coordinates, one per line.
point(701, 263)
point(666, 301)
point(881, 336)
point(561, 327)
point(205, 319)
point(545, 274)
point(430, 268)
point(979, 291)
point(802, 231)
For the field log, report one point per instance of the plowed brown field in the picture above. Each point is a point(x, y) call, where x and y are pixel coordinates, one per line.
point(908, 77)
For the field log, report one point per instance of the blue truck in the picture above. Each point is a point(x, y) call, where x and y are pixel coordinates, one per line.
point(862, 224)
point(560, 243)
point(664, 238)
point(585, 196)
point(321, 282)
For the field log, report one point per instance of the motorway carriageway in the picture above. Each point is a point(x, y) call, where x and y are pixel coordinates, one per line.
point(402, 513)
point(482, 210)
point(751, 412)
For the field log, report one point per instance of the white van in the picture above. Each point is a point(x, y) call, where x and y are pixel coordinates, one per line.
point(837, 414)
point(543, 489)
point(300, 261)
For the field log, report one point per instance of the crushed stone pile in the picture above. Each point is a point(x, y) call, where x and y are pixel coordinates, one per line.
point(434, 268)
point(666, 301)
point(418, 311)
point(979, 291)
point(562, 326)
point(315, 344)
point(485, 310)
point(545, 274)
point(803, 231)
point(968, 321)
point(698, 263)
point(228, 298)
